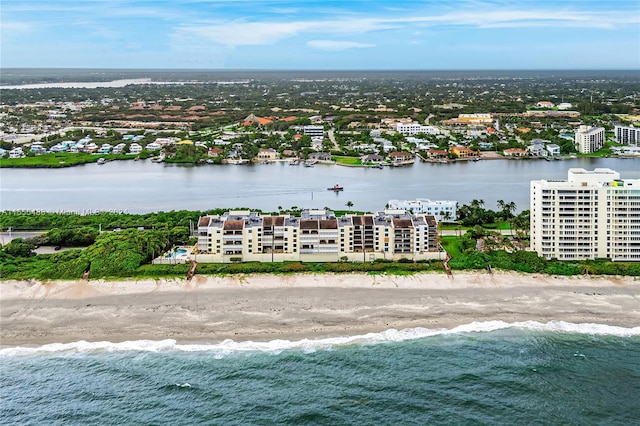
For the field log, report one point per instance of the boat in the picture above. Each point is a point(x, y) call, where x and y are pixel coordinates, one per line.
point(335, 188)
point(101, 161)
point(158, 159)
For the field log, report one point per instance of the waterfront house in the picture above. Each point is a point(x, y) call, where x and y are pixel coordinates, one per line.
point(38, 149)
point(118, 148)
point(515, 152)
point(463, 152)
point(16, 153)
point(59, 147)
point(135, 148)
point(400, 158)
point(268, 154)
point(437, 154)
point(214, 152)
point(537, 150)
point(371, 158)
point(553, 149)
point(105, 148)
point(153, 146)
point(90, 148)
point(320, 156)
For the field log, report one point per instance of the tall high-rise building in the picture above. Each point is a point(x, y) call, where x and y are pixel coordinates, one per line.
point(592, 214)
point(627, 135)
point(589, 139)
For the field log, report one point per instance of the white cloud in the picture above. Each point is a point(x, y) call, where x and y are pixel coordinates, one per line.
point(14, 27)
point(337, 45)
point(267, 32)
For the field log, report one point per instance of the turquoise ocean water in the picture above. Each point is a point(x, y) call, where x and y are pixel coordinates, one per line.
point(482, 373)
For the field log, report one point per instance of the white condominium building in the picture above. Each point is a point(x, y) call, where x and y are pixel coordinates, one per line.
point(628, 135)
point(313, 131)
point(412, 129)
point(316, 236)
point(589, 139)
point(443, 210)
point(592, 214)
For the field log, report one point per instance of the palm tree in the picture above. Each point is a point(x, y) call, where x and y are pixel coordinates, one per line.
point(349, 205)
point(509, 208)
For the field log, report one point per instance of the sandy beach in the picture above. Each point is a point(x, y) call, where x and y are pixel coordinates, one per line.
point(268, 307)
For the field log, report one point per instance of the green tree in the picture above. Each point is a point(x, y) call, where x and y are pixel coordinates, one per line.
point(20, 248)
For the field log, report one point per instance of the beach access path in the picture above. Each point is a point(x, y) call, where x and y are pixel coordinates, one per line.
point(268, 307)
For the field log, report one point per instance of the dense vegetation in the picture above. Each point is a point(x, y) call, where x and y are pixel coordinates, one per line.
point(127, 253)
point(114, 254)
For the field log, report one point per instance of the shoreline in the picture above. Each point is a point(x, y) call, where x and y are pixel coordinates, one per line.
point(294, 307)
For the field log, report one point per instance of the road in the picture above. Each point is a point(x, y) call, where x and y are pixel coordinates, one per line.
point(332, 138)
point(7, 237)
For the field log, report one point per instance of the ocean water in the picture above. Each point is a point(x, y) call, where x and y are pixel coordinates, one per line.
point(482, 373)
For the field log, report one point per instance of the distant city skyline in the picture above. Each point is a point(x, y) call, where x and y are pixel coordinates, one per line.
point(321, 35)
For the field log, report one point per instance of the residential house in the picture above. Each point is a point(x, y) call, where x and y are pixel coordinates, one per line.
point(463, 152)
point(437, 154)
point(118, 148)
point(537, 150)
point(371, 158)
point(320, 156)
point(553, 149)
point(135, 148)
point(400, 157)
point(105, 148)
point(544, 104)
point(515, 152)
point(16, 153)
point(153, 146)
point(214, 152)
point(253, 119)
point(268, 154)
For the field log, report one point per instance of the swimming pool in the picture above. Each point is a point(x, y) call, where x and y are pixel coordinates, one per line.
point(176, 254)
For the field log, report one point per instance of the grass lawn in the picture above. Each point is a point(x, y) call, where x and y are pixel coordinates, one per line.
point(451, 245)
point(60, 159)
point(350, 161)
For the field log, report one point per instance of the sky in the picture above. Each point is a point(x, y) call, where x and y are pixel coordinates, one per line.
point(322, 35)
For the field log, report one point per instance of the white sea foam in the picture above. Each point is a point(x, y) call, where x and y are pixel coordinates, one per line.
point(229, 347)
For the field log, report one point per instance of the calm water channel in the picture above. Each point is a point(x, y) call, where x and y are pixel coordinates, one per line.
point(143, 186)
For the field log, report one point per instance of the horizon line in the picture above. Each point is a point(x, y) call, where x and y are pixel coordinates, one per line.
point(319, 69)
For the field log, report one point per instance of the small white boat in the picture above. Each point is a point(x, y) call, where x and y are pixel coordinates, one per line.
point(101, 161)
